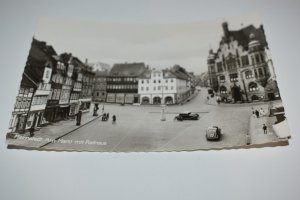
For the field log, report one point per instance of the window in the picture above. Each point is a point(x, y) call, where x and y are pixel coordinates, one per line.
point(253, 87)
point(171, 80)
point(142, 82)
point(252, 59)
point(142, 88)
point(147, 88)
point(248, 74)
point(233, 77)
point(262, 57)
point(154, 88)
point(158, 88)
point(154, 81)
point(257, 58)
point(260, 72)
point(231, 64)
point(223, 90)
point(245, 60)
point(158, 81)
point(219, 67)
point(172, 87)
point(166, 81)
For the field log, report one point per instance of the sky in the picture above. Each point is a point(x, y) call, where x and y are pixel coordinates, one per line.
point(157, 45)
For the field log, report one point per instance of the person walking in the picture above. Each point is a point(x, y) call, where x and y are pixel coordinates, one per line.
point(257, 113)
point(107, 116)
point(265, 129)
point(114, 118)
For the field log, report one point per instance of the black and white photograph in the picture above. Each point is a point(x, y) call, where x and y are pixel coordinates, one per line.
point(128, 87)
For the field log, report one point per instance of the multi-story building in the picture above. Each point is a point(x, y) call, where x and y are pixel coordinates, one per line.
point(122, 83)
point(99, 90)
point(168, 86)
point(85, 97)
point(77, 86)
point(34, 89)
point(64, 100)
point(241, 69)
point(56, 102)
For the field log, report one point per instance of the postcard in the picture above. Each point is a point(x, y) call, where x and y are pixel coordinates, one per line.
point(117, 87)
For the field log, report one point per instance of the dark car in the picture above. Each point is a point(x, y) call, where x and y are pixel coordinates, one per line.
point(187, 116)
point(213, 133)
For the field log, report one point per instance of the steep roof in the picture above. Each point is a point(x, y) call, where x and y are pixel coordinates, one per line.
point(242, 35)
point(99, 73)
point(127, 69)
point(40, 54)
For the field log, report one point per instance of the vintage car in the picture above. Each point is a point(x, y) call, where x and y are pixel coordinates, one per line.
point(187, 115)
point(213, 133)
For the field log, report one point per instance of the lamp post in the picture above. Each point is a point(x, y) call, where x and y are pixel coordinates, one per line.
point(163, 114)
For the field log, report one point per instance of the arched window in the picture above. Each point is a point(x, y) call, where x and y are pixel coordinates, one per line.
point(253, 87)
point(249, 74)
point(223, 90)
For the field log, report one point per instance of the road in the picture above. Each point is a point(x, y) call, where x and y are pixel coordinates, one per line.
point(139, 128)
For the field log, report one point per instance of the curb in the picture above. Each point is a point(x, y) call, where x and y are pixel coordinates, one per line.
point(70, 131)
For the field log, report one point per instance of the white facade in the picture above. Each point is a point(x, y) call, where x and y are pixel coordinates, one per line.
point(159, 87)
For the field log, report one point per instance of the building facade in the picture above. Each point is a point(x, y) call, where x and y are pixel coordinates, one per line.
point(168, 86)
point(35, 88)
point(100, 84)
point(241, 68)
point(122, 83)
point(85, 97)
point(77, 86)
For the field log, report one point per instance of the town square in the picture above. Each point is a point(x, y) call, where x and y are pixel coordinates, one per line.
point(65, 103)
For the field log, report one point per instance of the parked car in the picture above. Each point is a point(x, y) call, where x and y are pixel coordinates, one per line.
point(213, 133)
point(187, 116)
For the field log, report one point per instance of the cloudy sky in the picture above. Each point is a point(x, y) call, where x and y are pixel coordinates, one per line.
point(158, 45)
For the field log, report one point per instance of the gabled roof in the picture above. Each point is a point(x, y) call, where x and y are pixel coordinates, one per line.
point(242, 35)
point(99, 73)
point(40, 55)
point(128, 69)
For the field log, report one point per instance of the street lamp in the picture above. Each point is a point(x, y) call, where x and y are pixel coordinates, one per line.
point(163, 114)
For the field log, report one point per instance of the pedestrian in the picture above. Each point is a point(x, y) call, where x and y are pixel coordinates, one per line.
point(103, 108)
point(257, 113)
point(107, 116)
point(114, 118)
point(31, 131)
point(207, 98)
point(265, 128)
point(104, 117)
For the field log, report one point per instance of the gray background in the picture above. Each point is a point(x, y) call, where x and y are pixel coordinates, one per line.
point(269, 173)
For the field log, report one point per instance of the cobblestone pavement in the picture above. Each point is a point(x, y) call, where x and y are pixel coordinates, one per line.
point(139, 128)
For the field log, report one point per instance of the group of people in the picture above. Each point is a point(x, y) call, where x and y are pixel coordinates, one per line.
point(105, 117)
